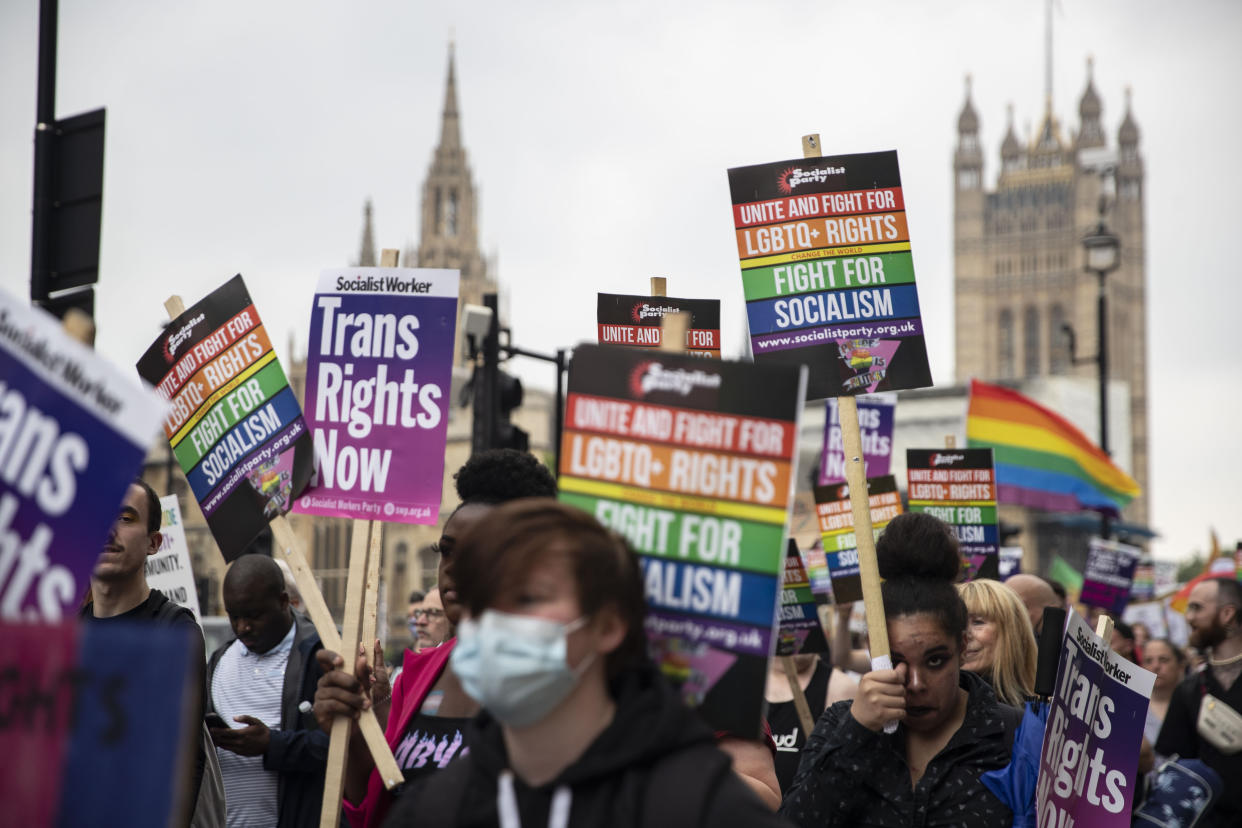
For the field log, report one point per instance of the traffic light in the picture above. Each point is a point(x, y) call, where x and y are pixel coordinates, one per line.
point(508, 397)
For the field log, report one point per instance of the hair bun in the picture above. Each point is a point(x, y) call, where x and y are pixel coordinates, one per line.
point(920, 546)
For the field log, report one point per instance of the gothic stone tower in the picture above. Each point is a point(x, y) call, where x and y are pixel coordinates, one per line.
point(450, 231)
point(1019, 259)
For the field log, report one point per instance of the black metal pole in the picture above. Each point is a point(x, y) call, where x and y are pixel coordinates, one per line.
point(1102, 355)
point(560, 408)
point(44, 154)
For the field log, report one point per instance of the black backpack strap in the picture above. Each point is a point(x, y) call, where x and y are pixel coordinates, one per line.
point(1010, 717)
point(680, 786)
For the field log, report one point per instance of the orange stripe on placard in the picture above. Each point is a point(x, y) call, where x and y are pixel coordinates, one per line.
point(761, 481)
point(815, 234)
point(199, 388)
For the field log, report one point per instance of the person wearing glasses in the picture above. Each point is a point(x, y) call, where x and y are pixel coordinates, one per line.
point(429, 625)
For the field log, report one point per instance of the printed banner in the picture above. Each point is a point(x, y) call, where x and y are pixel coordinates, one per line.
point(836, 525)
point(1089, 759)
point(1144, 586)
point(800, 630)
point(816, 564)
point(959, 487)
point(93, 719)
point(634, 321)
point(875, 426)
point(73, 433)
point(379, 376)
point(169, 570)
point(1010, 561)
point(827, 272)
point(235, 426)
point(1109, 574)
point(694, 463)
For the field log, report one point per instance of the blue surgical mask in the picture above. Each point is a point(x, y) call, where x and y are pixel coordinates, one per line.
point(515, 665)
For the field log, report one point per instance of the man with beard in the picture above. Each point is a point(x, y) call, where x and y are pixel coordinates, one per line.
point(1214, 613)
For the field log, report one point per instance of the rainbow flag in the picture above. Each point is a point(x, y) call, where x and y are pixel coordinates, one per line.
point(1042, 460)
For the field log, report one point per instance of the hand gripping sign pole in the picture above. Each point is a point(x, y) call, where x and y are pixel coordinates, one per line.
point(860, 504)
point(288, 544)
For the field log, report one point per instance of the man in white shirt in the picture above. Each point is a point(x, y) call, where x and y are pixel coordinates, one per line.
point(272, 756)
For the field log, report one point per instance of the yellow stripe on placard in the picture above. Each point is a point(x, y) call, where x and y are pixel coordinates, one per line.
point(952, 502)
point(826, 253)
point(219, 394)
point(667, 500)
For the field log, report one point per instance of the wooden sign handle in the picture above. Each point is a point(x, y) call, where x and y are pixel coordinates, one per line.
point(659, 286)
point(799, 696)
point(860, 504)
point(342, 726)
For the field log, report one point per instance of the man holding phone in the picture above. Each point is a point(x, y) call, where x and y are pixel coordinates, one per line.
point(272, 755)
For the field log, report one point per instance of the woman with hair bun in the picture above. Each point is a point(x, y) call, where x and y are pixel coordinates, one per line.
point(951, 728)
point(1000, 643)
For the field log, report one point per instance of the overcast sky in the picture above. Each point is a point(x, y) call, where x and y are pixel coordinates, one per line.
point(244, 137)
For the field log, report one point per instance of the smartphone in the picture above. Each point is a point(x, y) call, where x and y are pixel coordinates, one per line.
point(214, 721)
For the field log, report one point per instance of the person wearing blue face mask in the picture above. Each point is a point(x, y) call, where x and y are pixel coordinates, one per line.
point(578, 728)
point(425, 714)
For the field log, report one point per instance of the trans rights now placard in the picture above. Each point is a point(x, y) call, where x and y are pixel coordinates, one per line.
point(1088, 763)
point(634, 321)
point(379, 373)
point(959, 487)
point(836, 527)
point(235, 425)
point(694, 462)
point(827, 272)
point(73, 433)
point(875, 431)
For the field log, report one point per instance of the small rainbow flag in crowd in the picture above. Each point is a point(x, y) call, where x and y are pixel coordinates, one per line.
point(1042, 460)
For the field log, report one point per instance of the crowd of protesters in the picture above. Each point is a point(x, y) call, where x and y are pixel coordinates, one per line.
point(528, 698)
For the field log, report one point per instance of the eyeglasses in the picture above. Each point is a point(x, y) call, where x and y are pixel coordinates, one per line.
point(432, 614)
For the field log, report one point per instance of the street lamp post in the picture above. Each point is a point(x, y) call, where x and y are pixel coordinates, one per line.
point(1103, 250)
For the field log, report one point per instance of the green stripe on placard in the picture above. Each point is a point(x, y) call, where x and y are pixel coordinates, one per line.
point(801, 595)
point(950, 513)
point(828, 274)
point(232, 409)
point(663, 533)
point(837, 541)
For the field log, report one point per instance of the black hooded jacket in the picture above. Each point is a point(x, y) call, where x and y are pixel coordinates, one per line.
point(655, 765)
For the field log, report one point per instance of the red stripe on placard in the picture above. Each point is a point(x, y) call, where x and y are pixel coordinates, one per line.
point(687, 427)
point(854, 202)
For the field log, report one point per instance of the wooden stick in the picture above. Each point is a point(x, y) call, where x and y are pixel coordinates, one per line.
point(291, 547)
point(288, 544)
point(370, 601)
point(659, 286)
point(342, 726)
point(673, 328)
point(79, 325)
point(1104, 629)
point(950, 441)
point(388, 257)
point(799, 696)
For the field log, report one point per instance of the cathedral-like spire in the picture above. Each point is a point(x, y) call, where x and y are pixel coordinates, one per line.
point(1011, 150)
point(450, 126)
point(1128, 133)
point(366, 256)
point(1090, 133)
point(968, 120)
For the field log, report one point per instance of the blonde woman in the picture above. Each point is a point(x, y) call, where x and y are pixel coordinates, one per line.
point(1000, 643)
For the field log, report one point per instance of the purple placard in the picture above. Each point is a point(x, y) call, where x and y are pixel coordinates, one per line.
point(875, 426)
point(1109, 574)
point(73, 432)
point(1089, 758)
point(379, 373)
